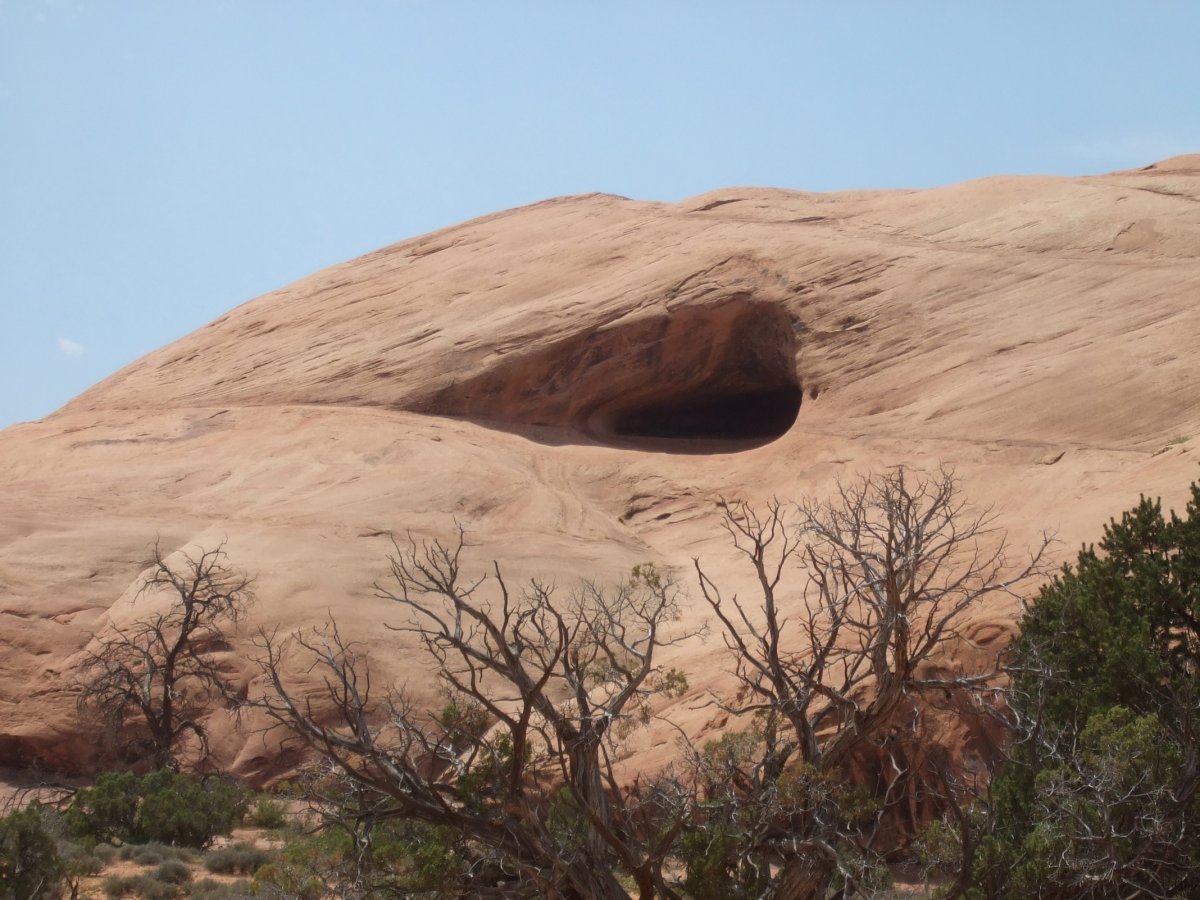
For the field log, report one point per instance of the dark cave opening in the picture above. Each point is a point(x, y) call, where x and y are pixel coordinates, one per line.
point(711, 378)
point(754, 415)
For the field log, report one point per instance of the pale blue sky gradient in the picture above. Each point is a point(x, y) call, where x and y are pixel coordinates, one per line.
point(162, 162)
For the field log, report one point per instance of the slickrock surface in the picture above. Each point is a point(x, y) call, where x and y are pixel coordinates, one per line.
point(579, 381)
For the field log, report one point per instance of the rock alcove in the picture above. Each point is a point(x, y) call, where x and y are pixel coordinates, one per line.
point(751, 416)
point(700, 378)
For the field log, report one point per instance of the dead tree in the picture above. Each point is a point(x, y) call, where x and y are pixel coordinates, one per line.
point(889, 567)
point(151, 679)
point(541, 688)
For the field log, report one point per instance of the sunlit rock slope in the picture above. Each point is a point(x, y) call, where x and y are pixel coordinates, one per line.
point(577, 382)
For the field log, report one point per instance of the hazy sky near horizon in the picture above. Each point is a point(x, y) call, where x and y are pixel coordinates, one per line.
point(162, 162)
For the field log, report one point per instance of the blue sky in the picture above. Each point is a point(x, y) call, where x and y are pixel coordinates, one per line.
point(161, 162)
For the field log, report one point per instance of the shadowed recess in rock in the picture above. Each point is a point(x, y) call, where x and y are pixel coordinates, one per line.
point(693, 379)
point(760, 415)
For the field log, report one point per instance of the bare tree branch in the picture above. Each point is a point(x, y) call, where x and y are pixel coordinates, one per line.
point(152, 679)
point(541, 688)
point(889, 568)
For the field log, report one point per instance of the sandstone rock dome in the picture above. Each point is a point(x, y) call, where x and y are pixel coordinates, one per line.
point(579, 381)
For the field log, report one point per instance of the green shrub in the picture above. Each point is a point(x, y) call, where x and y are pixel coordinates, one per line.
point(168, 807)
point(240, 859)
point(267, 813)
point(325, 849)
point(30, 866)
point(107, 809)
point(406, 858)
point(179, 809)
point(413, 856)
point(715, 868)
point(285, 879)
point(1095, 798)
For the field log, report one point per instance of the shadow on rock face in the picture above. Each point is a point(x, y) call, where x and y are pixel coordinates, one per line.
point(754, 416)
point(710, 378)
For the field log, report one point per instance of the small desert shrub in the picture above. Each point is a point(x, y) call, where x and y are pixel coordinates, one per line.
point(106, 853)
point(79, 858)
point(218, 890)
point(240, 859)
point(153, 853)
point(144, 887)
point(146, 854)
point(267, 813)
point(81, 861)
point(174, 871)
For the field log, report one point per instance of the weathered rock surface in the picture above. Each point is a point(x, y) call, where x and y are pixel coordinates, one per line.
point(578, 381)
